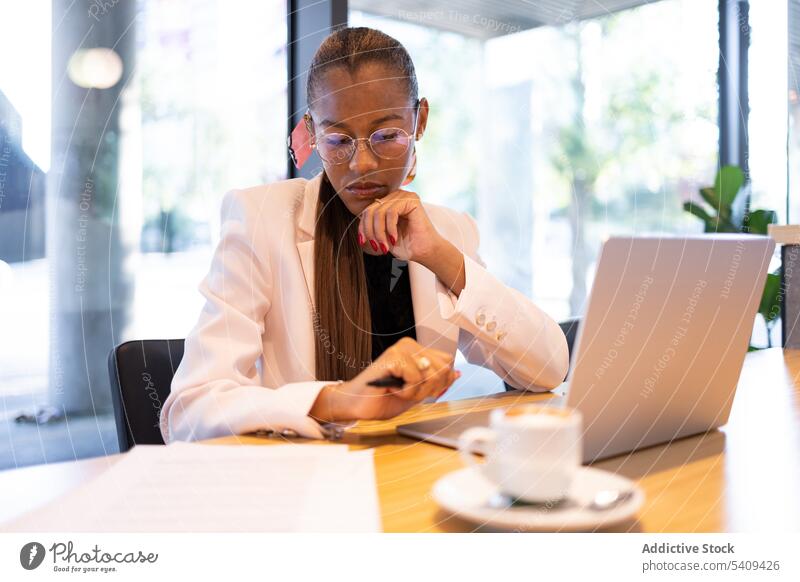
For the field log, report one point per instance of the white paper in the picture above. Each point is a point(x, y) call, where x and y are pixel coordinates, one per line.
point(189, 487)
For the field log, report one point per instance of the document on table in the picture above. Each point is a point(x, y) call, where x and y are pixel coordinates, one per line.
point(190, 487)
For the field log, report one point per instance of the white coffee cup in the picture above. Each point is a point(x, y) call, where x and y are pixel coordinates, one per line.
point(532, 452)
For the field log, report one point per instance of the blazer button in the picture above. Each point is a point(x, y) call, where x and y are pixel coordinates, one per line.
point(500, 335)
point(491, 325)
point(481, 319)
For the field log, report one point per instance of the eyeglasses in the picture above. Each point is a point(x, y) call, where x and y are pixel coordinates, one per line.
point(387, 143)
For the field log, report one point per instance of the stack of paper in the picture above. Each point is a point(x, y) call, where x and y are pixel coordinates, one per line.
point(188, 487)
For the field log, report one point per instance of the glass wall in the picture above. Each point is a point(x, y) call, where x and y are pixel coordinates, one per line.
point(213, 107)
point(556, 136)
point(123, 124)
point(793, 89)
point(559, 135)
point(768, 105)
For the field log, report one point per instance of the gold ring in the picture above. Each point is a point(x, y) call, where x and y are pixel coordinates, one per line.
point(423, 363)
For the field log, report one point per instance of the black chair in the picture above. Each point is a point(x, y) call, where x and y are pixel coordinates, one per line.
point(570, 329)
point(141, 375)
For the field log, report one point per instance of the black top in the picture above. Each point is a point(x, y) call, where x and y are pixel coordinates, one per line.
point(389, 288)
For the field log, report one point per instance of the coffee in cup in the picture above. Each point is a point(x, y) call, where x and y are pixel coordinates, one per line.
point(532, 451)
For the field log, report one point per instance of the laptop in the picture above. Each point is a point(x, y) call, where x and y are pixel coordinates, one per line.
point(658, 355)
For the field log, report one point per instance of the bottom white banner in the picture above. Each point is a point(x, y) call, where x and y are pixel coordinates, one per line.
point(406, 557)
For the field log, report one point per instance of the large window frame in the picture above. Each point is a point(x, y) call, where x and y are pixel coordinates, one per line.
point(309, 21)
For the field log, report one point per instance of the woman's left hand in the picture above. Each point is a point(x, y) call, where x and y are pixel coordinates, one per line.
point(400, 225)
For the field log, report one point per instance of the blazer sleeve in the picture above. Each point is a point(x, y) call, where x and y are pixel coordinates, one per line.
point(216, 389)
point(501, 329)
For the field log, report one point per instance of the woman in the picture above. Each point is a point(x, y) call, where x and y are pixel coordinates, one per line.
point(318, 287)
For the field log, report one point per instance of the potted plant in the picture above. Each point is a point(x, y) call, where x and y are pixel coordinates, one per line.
point(727, 209)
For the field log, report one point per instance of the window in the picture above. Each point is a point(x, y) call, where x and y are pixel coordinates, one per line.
point(213, 117)
point(793, 201)
point(111, 208)
point(125, 123)
point(768, 116)
point(563, 134)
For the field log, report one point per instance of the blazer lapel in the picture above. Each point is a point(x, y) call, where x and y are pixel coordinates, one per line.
point(432, 331)
point(305, 232)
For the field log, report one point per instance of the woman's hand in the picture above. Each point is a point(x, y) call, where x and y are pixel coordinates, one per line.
point(355, 400)
point(400, 225)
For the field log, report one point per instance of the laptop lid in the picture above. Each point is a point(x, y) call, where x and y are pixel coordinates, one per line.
point(668, 323)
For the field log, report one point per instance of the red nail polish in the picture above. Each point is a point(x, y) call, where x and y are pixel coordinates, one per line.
point(361, 240)
point(391, 240)
point(384, 248)
point(374, 246)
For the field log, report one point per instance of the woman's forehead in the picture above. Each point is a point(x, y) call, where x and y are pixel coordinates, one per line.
point(371, 91)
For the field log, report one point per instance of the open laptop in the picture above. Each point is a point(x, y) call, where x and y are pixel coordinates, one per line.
point(658, 355)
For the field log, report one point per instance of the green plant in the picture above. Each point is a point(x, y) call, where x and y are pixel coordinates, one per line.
point(727, 209)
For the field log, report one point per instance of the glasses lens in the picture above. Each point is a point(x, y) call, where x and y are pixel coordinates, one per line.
point(335, 148)
point(389, 142)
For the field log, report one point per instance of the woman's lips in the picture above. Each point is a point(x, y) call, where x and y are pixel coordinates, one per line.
point(366, 190)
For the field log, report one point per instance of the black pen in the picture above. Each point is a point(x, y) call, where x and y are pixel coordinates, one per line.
point(387, 382)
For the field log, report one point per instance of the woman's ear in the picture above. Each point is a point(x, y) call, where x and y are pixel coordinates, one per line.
point(423, 117)
point(300, 143)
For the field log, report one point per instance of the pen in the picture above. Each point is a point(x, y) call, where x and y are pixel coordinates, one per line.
point(393, 381)
point(387, 382)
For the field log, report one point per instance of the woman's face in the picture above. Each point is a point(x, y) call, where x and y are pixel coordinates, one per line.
point(357, 105)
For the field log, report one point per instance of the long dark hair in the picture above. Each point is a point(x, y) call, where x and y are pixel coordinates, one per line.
point(343, 325)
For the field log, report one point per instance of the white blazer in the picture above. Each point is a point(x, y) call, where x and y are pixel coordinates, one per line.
point(249, 364)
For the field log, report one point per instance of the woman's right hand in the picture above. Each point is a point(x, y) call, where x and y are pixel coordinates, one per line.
point(355, 400)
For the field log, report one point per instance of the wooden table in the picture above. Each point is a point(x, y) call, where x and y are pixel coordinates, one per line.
point(743, 477)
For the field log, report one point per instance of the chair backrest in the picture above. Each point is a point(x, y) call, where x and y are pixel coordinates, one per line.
point(570, 329)
point(141, 374)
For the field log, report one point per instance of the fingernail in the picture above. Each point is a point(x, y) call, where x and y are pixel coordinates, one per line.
point(391, 240)
point(361, 239)
point(458, 374)
point(384, 248)
point(374, 246)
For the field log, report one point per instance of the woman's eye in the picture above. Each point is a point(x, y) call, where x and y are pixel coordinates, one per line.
point(386, 135)
point(337, 139)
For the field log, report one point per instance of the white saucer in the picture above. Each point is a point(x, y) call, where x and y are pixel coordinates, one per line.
point(468, 494)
